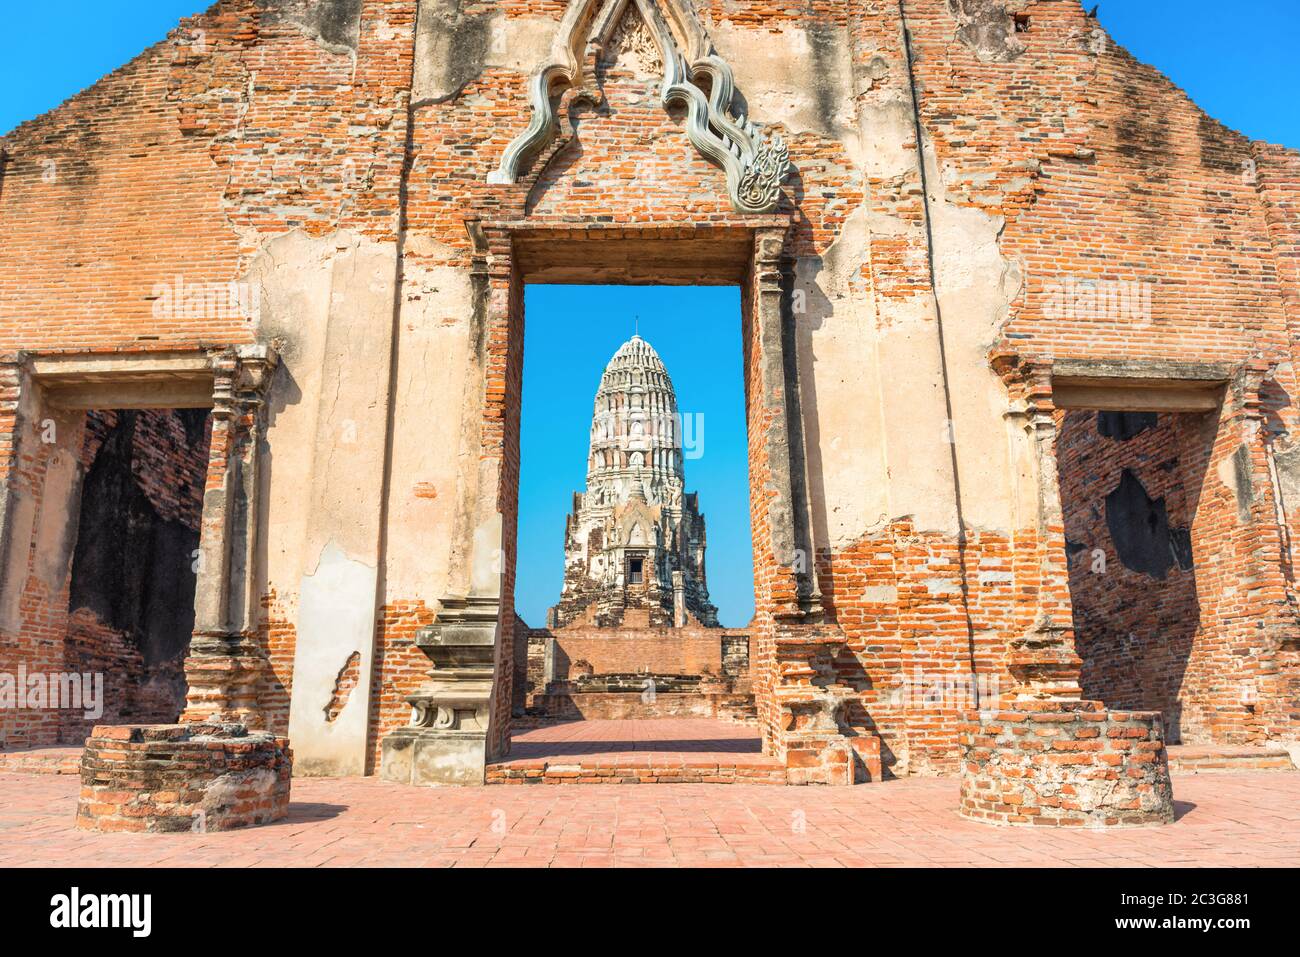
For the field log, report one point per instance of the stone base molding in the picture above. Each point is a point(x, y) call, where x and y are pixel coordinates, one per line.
point(447, 739)
point(182, 777)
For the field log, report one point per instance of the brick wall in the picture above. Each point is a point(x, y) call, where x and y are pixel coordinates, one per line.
point(112, 594)
point(676, 651)
point(244, 127)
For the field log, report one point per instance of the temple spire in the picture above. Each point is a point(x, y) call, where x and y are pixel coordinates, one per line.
point(634, 527)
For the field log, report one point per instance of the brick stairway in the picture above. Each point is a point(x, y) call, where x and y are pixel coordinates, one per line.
point(635, 751)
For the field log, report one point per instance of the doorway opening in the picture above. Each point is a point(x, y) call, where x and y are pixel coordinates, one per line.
point(634, 584)
point(132, 576)
point(108, 523)
point(1140, 510)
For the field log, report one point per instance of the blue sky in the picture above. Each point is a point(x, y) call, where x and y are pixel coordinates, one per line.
point(570, 332)
point(1236, 61)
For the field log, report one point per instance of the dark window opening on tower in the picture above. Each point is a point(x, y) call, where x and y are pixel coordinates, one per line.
point(634, 572)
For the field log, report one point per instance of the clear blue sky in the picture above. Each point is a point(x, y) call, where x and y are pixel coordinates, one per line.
point(1238, 61)
point(570, 332)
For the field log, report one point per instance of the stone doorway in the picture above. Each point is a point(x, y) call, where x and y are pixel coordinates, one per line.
point(634, 588)
point(1170, 503)
point(103, 543)
point(464, 714)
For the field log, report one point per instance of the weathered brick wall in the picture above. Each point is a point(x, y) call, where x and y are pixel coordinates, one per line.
point(106, 199)
point(1060, 160)
point(917, 662)
point(1278, 176)
point(1137, 612)
point(678, 651)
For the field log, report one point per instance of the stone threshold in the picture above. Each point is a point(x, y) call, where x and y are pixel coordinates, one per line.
point(636, 769)
point(47, 759)
point(1201, 758)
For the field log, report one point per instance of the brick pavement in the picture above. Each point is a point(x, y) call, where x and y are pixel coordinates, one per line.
point(1245, 819)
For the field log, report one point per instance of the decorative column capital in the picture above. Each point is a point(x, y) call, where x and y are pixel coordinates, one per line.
point(1029, 385)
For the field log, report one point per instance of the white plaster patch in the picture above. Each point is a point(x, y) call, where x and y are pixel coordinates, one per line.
point(335, 619)
point(880, 593)
point(520, 43)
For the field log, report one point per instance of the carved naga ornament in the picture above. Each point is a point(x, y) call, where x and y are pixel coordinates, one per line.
point(755, 165)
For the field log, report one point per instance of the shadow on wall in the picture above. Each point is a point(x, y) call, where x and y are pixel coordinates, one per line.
point(131, 591)
point(1130, 488)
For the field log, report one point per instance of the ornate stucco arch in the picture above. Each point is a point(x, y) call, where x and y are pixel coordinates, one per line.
point(755, 164)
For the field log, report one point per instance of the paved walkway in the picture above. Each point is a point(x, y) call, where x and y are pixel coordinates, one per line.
point(1242, 819)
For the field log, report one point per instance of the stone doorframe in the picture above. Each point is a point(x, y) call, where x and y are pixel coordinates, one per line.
point(224, 663)
point(461, 717)
point(1044, 661)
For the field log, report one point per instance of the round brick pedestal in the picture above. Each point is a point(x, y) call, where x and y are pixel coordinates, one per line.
point(196, 777)
point(1065, 763)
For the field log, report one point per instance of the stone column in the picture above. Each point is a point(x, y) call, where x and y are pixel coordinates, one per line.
point(1259, 499)
point(225, 668)
point(1042, 660)
point(789, 514)
point(802, 704)
point(14, 387)
point(679, 600)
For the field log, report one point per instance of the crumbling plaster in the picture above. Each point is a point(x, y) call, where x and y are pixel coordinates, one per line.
point(876, 464)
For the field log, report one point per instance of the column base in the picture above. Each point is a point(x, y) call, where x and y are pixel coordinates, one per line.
point(1065, 764)
point(182, 777)
point(429, 757)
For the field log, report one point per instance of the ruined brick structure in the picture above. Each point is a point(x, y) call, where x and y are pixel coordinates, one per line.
point(957, 225)
point(632, 670)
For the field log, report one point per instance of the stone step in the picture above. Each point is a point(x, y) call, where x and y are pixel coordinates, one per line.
point(54, 759)
point(636, 769)
point(1197, 758)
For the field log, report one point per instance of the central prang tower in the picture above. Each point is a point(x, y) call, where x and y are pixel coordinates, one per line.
point(635, 539)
